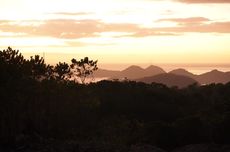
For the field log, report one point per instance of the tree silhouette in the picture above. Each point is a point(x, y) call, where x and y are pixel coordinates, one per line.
point(83, 69)
point(36, 68)
point(10, 57)
point(61, 71)
point(11, 64)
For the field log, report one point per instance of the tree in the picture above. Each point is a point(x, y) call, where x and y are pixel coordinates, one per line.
point(36, 68)
point(11, 63)
point(11, 57)
point(61, 71)
point(83, 69)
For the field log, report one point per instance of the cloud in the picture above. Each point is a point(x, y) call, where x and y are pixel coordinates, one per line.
point(76, 29)
point(148, 32)
point(214, 27)
point(66, 29)
point(11, 34)
point(80, 44)
point(185, 20)
point(204, 1)
point(71, 13)
point(195, 24)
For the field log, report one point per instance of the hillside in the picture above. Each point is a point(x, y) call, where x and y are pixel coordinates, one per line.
point(169, 80)
point(132, 72)
point(213, 76)
point(183, 72)
point(137, 73)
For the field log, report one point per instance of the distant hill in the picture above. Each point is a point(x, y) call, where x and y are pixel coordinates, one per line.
point(213, 76)
point(183, 72)
point(153, 70)
point(169, 79)
point(135, 72)
point(132, 72)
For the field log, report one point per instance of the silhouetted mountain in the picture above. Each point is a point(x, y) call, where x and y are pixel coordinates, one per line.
point(169, 80)
point(214, 76)
point(183, 72)
point(135, 72)
point(153, 70)
point(132, 72)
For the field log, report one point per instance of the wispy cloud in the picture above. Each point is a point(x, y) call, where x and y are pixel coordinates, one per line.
point(66, 29)
point(214, 27)
point(71, 13)
point(12, 34)
point(79, 44)
point(75, 29)
point(185, 20)
point(204, 1)
point(148, 32)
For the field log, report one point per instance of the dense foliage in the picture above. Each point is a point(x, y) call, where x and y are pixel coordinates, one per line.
point(36, 102)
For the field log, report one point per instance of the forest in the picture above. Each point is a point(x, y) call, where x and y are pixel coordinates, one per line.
point(45, 107)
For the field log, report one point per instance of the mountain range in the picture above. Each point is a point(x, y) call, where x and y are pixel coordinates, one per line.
point(177, 77)
point(132, 72)
point(213, 76)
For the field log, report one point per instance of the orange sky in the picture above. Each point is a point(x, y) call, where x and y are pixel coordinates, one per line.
point(119, 31)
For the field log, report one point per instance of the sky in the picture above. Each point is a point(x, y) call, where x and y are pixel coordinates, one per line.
point(119, 31)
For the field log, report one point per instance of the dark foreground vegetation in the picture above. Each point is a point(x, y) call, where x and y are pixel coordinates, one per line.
point(40, 110)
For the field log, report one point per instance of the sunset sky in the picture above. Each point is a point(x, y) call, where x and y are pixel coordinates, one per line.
point(119, 31)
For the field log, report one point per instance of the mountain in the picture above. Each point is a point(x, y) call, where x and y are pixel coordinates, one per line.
point(135, 72)
point(132, 72)
point(153, 70)
point(169, 79)
point(214, 76)
point(183, 72)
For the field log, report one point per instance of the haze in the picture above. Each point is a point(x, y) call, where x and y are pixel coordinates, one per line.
point(119, 31)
